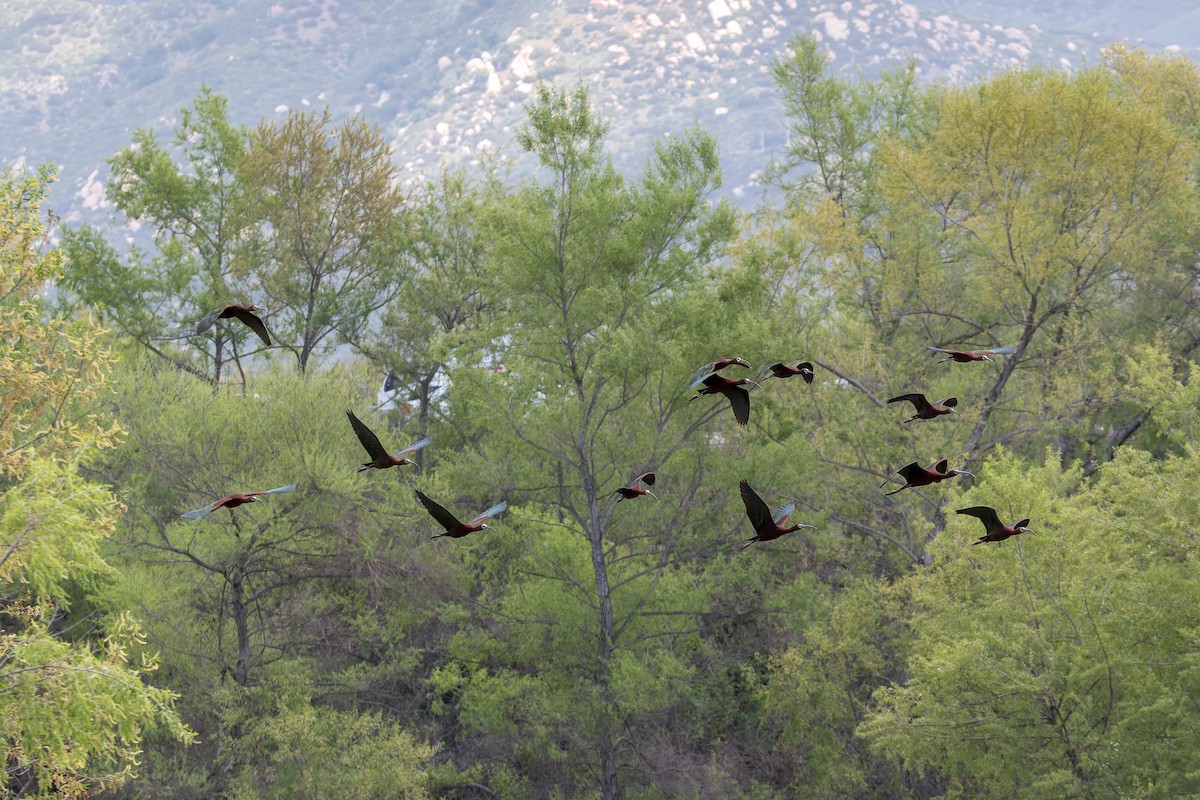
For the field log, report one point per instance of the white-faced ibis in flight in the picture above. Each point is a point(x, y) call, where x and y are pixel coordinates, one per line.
point(916, 475)
point(381, 459)
point(634, 489)
point(926, 409)
point(391, 381)
point(454, 528)
point(244, 313)
point(715, 366)
point(964, 356)
point(996, 531)
point(778, 369)
point(739, 398)
point(232, 501)
point(766, 526)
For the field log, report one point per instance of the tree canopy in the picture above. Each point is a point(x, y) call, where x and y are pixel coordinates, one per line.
point(542, 332)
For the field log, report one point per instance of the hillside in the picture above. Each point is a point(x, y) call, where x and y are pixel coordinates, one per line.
point(449, 80)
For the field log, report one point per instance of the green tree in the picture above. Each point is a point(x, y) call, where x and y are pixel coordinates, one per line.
point(605, 313)
point(1061, 662)
point(442, 294)
point(75, 711)
point(323, 226)
point(266, 611)
point(190, 193)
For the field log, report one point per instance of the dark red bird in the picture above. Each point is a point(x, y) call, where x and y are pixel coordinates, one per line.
point(232, 501)
point(715, 366)
point(243, 313)
point(995, 531)
point(778, 369)
point(381, 458)
point(454, 528)
point(766, 526)
point(926, 409)
point(739, 398)
point(634, 490)
point(916, 475)
point(964, 356)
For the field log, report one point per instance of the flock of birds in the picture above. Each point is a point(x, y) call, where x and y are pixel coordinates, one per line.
point(767, 526)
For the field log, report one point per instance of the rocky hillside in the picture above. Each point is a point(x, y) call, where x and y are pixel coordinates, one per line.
point(449, 79)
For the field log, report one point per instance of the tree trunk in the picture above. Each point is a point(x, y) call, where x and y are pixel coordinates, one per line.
point(241, 613)
point(610, 787)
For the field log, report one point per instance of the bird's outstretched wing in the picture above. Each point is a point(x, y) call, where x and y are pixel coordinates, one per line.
point(491, 512)
point(942, 349)
point(391, 381)
point(739, 399)
point(784, 512)
point(207, 321)
point(646, 478)
point(291, 487)
point(252, 321)
point(414, 448)
point(918, 400)
point(370, 441)
point(999, 351)
point(758, 511)
point(908, 472)
point(444, 517)
point(699, 376)
point(767, 368)
point(806, 371)
point(942, 467)
point(203, 512)
point(985, 514)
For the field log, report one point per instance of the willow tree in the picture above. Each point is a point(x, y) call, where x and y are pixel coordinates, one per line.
point(321, 228)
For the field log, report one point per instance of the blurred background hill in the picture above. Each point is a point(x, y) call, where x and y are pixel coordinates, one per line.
point(448, 80)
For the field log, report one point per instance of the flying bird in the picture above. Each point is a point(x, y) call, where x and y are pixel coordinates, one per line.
point(381, 459)
point(916, 475)
point(766, 526)
point(232, 501)
point(778, 369)
point(634, 489)
point(391, 381)
point(454, 528)
point(715, 366)
point(739, 398)
point(926, 409)
point(995, 531)
point(244, 313)
point(964, 356)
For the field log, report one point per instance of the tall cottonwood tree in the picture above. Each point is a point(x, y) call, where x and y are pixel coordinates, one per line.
point(604, 315)
point(322, 228)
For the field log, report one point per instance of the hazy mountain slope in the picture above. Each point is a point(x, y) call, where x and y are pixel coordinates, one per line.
point(449, 78)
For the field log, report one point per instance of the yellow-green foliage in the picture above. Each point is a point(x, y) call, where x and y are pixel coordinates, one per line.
point(74, 713)
point(312, 751)
point(1034, 672)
